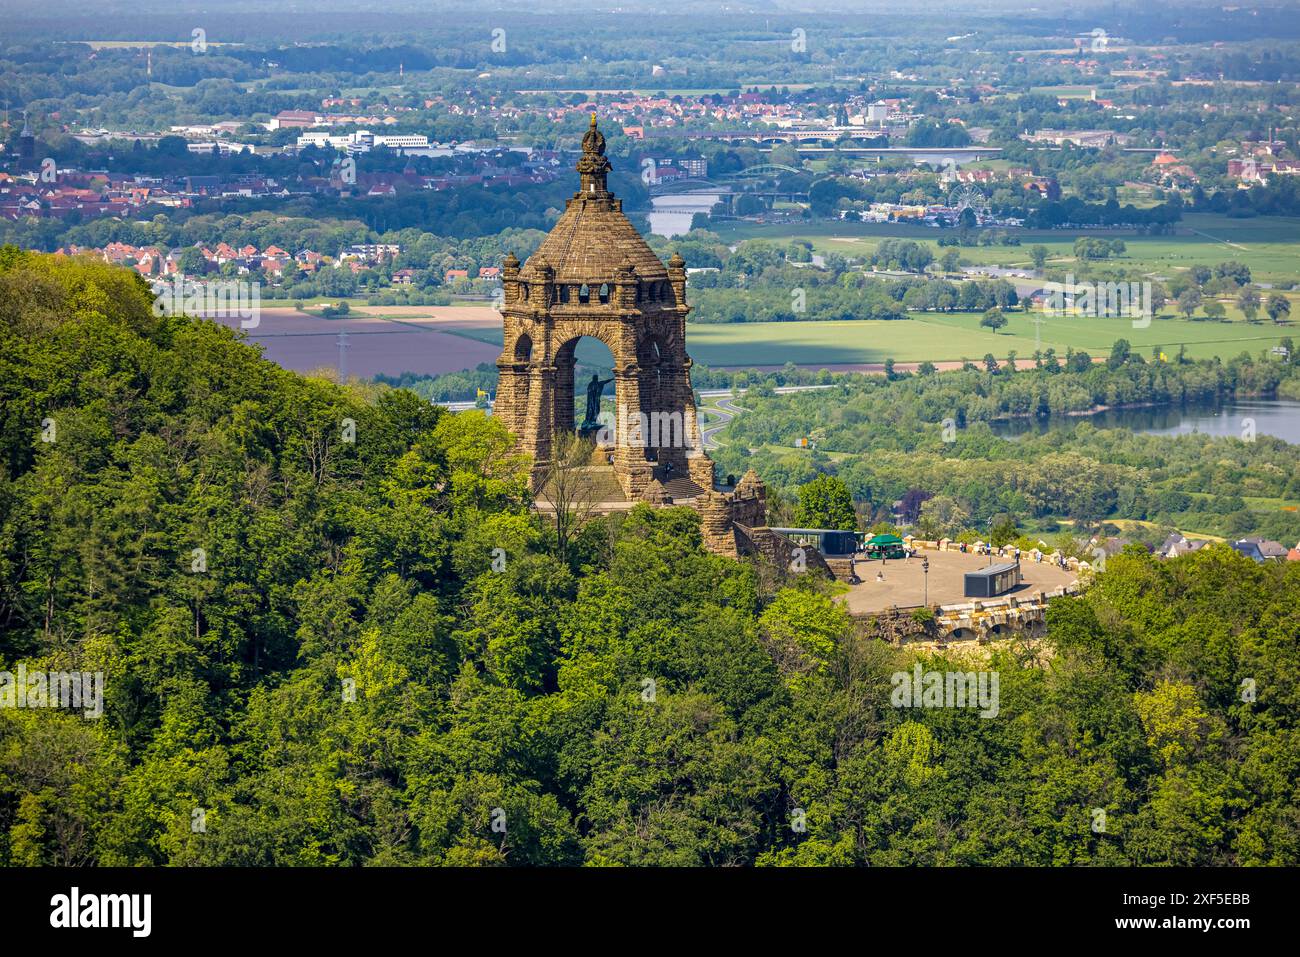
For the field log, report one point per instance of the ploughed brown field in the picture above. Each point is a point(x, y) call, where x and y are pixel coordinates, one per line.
point(380, 339)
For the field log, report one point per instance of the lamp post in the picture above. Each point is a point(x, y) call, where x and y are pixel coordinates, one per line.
point(925, 573)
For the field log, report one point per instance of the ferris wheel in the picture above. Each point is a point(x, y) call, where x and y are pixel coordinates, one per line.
point(967, 197)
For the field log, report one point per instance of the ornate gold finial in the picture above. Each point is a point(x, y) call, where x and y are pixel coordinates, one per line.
point(593, 141)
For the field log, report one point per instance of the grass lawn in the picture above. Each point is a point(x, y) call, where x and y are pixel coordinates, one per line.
point(959, 336)
point(1203, 339)
point(1269, 245)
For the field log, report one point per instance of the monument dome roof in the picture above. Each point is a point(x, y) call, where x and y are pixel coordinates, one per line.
point(592, 238)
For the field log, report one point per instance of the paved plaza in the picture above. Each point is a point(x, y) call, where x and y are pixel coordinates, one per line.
point(904, 583)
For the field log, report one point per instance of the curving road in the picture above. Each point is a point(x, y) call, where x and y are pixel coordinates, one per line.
point(728, 410)
point(725, 406)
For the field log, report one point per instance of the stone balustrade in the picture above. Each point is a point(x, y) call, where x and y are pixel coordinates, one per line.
point(1007, 551)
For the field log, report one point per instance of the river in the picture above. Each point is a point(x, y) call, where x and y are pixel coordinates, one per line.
point(672, 213)
point(1279, 418)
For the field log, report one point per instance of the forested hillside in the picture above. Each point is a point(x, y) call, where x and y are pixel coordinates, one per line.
point(349, 673)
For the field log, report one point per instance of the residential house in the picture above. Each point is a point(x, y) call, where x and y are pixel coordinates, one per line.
point(295, 118)
point(1176, 545)
point(1249, 548)
point(1271, 550)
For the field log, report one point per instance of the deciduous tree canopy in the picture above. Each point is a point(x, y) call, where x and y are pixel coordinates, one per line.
point(355, 674)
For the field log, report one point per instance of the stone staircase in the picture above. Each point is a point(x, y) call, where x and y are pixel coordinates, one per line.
point(682, 489)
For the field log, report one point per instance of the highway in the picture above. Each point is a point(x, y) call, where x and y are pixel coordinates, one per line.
point(726, 408)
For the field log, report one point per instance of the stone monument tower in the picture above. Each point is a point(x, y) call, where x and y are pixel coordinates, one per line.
point(595, 276)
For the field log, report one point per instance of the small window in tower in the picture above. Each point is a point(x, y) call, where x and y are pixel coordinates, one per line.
point(604, 292)
point(564, 294)
point(525, 288)
point(584, 294)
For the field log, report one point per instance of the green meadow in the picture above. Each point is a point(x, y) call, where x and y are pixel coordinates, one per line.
point(956, 336)
point(1269, 245)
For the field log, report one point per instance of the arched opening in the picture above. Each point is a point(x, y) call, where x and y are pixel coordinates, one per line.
point(523, 348)
point(584, 404)
point(604, 292)
point(564, 293)
point(584, 293)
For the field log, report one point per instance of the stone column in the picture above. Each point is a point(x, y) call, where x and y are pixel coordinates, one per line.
point(510, 279)
point(539, 424)
point(677, 278)
point(512, 395)
point(672, 426)
point(630, 465)
point(625, 283)
point(564, 389)
point(694, 442)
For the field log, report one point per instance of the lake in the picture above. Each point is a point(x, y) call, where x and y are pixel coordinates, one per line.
point(1279, 418)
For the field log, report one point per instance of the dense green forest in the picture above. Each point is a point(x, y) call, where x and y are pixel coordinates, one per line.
point(354, 676)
